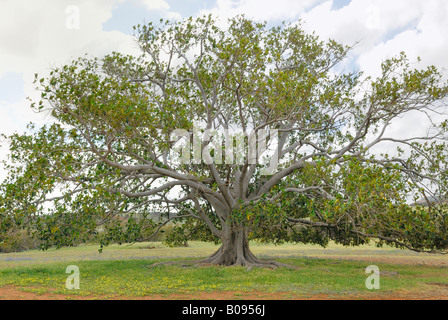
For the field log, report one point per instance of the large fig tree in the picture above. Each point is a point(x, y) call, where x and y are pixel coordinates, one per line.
point(239, 133)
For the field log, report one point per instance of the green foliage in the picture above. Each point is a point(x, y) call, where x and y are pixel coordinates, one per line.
point(190, 230)
point(21, 241)
point(104, 165)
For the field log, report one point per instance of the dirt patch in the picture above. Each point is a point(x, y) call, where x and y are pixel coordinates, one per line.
point(432, 293)
point(16, 293)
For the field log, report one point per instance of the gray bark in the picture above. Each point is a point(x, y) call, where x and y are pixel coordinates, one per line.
point(235, 250)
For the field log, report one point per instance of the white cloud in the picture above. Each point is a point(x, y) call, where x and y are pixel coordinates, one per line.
point(384, 28)
point(39, 38)
point(155, 4)
point(35, 36)
point(161, 6)
point(261, 9)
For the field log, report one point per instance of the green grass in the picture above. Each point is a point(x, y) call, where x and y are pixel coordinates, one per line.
point(124, 270)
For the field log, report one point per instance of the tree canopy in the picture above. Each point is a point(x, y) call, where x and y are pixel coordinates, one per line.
point(239, 133)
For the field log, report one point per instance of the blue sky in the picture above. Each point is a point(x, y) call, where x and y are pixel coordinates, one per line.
point(38, 35)
point(11, 87)
point(129, 13)
point(338, 4)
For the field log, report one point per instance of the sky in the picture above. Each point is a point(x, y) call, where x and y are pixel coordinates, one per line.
point(37, 35)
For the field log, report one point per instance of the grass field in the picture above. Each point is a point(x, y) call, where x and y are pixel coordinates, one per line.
point(125, 272)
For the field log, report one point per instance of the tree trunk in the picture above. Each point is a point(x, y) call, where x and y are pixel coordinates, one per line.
point(235, 251)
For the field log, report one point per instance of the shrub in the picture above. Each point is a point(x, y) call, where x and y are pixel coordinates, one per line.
point(21, 241)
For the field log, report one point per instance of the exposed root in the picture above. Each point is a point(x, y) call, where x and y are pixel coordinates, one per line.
point(242, 257)
point(209, 263)
point(183, 264)
point(219, 260)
